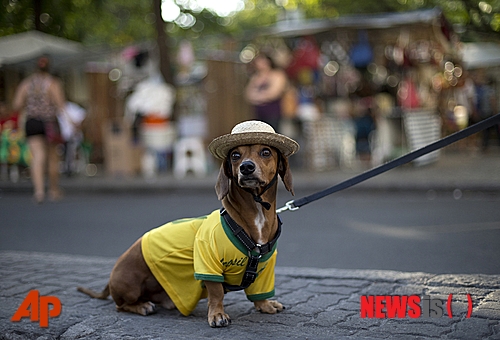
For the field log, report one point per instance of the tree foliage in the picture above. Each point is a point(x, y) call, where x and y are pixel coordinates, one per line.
point(93, 22)
point(121, 22)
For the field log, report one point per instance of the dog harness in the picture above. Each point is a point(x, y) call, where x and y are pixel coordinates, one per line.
point(255, 251)
point(183, 253)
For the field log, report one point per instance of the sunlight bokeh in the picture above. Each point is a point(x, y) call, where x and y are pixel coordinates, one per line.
point(171, 9)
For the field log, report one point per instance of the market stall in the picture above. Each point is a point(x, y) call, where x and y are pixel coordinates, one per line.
point(369, 85)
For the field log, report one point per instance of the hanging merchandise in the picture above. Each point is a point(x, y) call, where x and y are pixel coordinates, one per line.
point(408, 94)
point(14, 148)
point(361, 54)
point(461, 116)
point(305, 57)
point(151, 97)
point(280, 53)
point(185, 60)
point(185, 55)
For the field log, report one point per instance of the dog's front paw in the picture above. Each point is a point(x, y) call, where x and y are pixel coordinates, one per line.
point(269, 306)
point(219, 320)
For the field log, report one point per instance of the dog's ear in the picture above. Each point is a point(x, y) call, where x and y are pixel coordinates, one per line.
point(286, 174)
point(222, 184)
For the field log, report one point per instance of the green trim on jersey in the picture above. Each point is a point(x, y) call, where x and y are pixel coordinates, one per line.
point(207, 277)
point(238, 244)
point(260, 297)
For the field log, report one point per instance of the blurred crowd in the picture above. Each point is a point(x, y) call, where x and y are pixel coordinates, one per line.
point(341, 101)
point(350, 89)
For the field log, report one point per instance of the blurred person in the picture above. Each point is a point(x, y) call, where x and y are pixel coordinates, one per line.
point(265, 90)
point(72, 134)
point(42, 97)
point(459, 107)
point(486, 106)
point(365, 127)
point(465, 95)
point(465, 108)
point(8, 125)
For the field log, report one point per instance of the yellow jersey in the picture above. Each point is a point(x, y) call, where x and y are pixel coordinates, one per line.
point(183, 253)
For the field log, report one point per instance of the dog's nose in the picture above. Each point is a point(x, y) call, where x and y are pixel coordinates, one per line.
point(247, 168)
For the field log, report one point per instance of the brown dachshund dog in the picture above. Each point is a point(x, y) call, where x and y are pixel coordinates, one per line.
point(177, 264)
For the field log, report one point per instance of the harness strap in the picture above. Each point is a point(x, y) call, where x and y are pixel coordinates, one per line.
point(255, 251)
point(296, 204)
point(257, 198)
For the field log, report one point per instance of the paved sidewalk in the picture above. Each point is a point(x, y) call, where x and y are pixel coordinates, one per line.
point(320, 304)
point(470, 170)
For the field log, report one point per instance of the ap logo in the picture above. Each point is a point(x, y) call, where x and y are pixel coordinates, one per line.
point(38, 308)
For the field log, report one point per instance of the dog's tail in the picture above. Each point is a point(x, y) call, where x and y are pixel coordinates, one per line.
point(102, 295)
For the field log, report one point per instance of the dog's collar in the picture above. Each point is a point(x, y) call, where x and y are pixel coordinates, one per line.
point(257, 198)
point(255, 251)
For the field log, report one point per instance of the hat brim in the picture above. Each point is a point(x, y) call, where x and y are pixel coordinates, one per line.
point(221, 146)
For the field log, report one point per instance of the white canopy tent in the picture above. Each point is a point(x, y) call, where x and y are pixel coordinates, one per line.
point(481, 55)
point(22, 48)
point(68, 60)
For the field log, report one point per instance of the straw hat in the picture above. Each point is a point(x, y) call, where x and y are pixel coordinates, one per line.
point(252, 132)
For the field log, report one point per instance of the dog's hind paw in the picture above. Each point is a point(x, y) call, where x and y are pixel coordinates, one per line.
point(144, 308)
point(148, 308)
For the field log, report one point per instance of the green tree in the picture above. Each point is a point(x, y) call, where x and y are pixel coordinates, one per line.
point(477, 18)
point(120, 22)
point(93, 22)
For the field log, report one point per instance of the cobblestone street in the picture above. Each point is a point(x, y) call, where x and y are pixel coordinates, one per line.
point(320, 303)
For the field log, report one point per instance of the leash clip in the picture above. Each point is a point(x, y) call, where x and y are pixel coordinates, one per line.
point(288, 206)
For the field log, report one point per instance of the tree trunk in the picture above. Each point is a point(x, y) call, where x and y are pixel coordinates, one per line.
point(162, 41)
point(37, 9)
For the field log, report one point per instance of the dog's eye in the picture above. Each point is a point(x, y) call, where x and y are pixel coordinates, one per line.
point(266, 152)
point(235, 156)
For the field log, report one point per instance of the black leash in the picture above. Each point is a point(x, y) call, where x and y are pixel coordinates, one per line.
point(296, 204)
point(255, 251)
